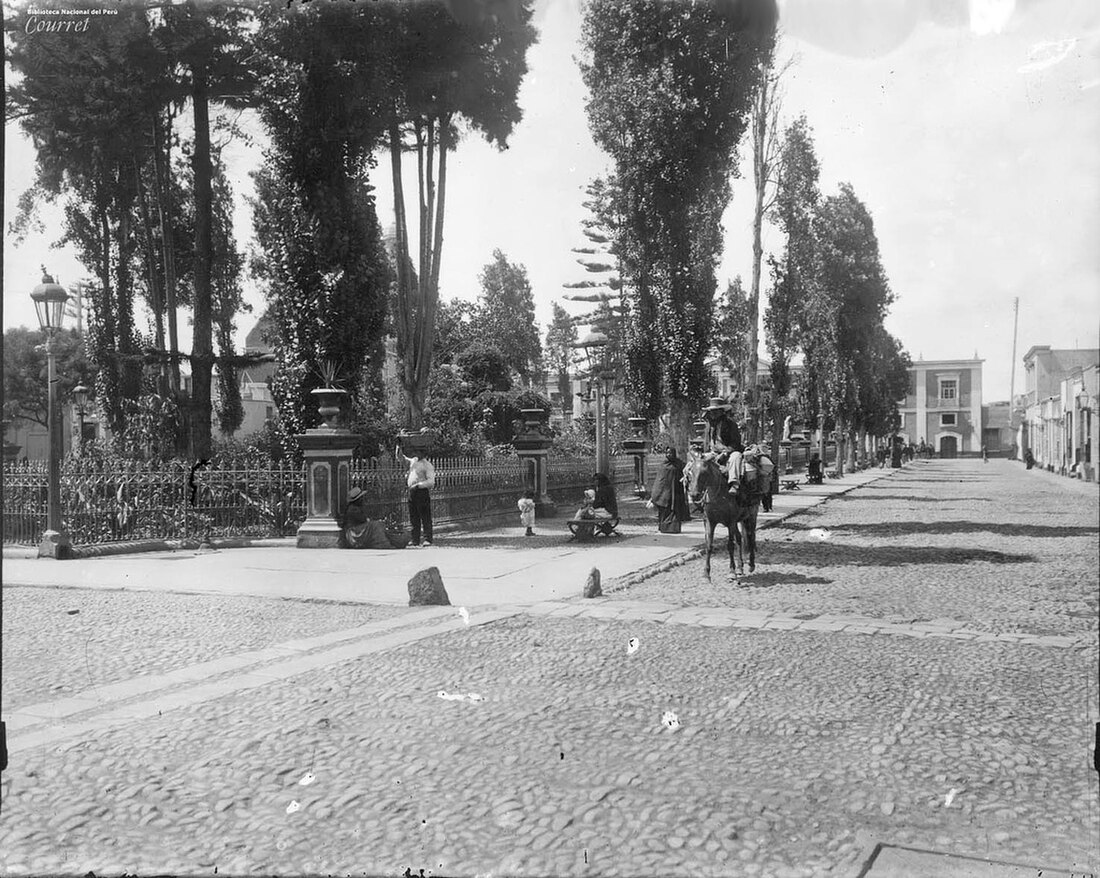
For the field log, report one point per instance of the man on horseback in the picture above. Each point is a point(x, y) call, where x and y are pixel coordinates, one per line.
point(723, 439)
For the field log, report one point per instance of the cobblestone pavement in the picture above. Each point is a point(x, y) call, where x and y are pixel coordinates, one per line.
point(116, 635)
point(797, 742)
point(993, 545)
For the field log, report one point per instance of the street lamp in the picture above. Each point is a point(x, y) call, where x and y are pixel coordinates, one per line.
point(594, 346)
point(49, 303)
point(80, 393)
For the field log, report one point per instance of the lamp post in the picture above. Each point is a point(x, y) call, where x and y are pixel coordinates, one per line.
point(594, 346)
point(80, 394)
point(49, 302)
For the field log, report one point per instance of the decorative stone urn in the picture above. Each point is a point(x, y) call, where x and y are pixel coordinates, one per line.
point(532, 444)
point(327, 449)
point(637, 445)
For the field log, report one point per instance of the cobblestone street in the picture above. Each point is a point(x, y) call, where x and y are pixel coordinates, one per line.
point(914, 662)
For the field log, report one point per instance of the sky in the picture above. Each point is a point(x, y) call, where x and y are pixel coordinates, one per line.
point(969, 129)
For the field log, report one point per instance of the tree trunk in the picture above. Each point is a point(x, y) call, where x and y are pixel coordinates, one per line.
point(162, 153)
point(202, 354)
point(681, 413)
point(154, 280)
point(760, 178)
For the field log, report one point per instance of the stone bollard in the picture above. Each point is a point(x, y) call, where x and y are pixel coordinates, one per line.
point(426, 589)
point(592, 586)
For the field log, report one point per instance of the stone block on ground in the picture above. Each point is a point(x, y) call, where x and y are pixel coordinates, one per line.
point(592, 586)
point(426, 589)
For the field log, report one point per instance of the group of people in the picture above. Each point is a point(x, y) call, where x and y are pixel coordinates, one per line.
point(668, 494)
point(748, 469)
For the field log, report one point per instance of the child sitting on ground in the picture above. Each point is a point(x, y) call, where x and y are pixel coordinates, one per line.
point(587, 512)
point(527, 512)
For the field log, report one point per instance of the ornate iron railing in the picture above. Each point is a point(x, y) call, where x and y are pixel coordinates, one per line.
point(119, 501)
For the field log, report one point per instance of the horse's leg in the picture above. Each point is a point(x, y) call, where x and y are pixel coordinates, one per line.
point(733, 544)
point(708, 530)
point(750, 538)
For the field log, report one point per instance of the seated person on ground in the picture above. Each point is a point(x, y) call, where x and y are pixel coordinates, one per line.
point(361, 532)
point(604, 501)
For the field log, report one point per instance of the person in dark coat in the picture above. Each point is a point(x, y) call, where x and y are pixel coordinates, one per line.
point(723, 436)
point(605, 495)
point(668, 496)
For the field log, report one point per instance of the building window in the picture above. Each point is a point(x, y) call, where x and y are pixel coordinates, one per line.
point(948, 420)
point(949, 388)
point(270, 412)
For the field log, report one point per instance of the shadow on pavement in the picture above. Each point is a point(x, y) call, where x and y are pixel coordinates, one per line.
point(804, 553)
point(767, 579)
point(903, 528)
point(908, 498)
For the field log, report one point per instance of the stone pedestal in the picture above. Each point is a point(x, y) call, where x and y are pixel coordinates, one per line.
point(698, 437)
point(327, 449)
point(637, 446)
point(532, 444)
point(55, 544)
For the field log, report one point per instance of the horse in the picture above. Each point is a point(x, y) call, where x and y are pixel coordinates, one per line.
point(706, 482)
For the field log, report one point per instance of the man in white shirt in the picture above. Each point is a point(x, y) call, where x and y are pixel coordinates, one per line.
point(421, 479)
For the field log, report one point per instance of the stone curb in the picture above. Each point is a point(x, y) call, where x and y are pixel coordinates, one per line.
point(136, 547)
point(622, 583)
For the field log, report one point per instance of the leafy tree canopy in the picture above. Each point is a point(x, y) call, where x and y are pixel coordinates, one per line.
point(26, 389)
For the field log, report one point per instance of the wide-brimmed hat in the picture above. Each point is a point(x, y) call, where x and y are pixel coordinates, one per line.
point(717, 404)
point(355, 494)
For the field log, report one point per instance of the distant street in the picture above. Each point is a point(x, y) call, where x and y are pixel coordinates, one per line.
point(914, 662)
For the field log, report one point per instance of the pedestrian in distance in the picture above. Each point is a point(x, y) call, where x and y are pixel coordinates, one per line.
point(985, 455)
point(527, 512)
point(420, 481)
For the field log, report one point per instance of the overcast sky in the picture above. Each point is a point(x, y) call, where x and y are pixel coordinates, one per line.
point(969, 130)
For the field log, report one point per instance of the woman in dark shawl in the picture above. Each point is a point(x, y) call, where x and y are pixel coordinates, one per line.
point(605, 496)
point(668, 496)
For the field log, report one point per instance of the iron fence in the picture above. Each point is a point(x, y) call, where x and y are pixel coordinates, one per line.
point(119, 501)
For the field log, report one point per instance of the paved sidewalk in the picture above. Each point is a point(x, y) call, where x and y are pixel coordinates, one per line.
point(520, 570)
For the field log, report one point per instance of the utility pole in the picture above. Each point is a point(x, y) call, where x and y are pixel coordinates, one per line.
point(1012, 380)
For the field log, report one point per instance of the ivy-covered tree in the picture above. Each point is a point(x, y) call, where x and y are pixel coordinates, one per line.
point(322, 255)
point(670, 88)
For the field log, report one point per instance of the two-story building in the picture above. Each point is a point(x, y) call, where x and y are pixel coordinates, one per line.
point(943, 406)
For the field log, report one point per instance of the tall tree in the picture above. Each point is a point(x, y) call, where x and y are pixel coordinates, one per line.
point(670, 88)
point(793, 273)
point(505, 316)
point(561, 336)
point(80, 97)
point(322, 253)
point(732, 337)
point(766, 150)
point(209, 50)
point(441, 70)
point(852, 299)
